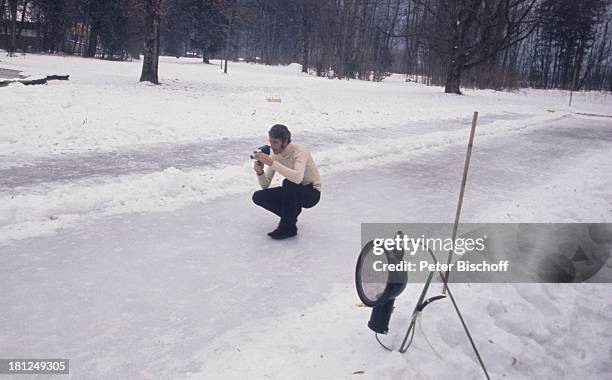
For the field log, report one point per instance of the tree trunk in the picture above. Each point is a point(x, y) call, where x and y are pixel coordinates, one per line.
point(92, 44)
point(577, 67)
point(2, 21)
point(227, 42)
point(13, 41)
point(23, 13)
point(305, 57)
point(151, 49)
point(453, 77)
point(457, 29)
point(305, 38)
point(601, 55)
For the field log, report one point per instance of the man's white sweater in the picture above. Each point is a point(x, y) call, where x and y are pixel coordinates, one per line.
point(295, 163)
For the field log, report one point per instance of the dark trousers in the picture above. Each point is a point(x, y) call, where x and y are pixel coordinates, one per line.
point(287, 201)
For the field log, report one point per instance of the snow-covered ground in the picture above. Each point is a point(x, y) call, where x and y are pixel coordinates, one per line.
point(129, 243)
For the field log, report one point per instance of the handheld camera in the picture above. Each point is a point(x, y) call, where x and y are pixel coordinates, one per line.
point(262, 149)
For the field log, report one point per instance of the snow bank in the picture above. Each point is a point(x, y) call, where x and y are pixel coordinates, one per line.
point(33, 210)
point(330, 340)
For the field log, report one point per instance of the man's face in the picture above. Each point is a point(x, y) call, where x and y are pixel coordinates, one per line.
point(277, 145)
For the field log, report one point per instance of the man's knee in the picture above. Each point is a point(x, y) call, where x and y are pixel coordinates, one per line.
point(257, 197)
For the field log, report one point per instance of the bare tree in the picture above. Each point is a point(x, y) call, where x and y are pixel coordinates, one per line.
point(152, 11)
point(12, 7)
point(474, 31)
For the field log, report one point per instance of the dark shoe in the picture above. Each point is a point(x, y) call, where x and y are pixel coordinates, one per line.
point(283, 233)
point(277, 231)
point(284, 227)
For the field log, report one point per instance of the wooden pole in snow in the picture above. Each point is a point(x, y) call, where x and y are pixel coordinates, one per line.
point(460, 203)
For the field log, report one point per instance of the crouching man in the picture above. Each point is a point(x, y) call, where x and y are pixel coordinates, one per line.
point(301, 187)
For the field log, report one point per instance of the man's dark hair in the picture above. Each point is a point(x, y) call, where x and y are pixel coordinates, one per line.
point(281, 132)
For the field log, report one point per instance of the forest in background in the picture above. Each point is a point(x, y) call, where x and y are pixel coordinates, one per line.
point(498, 44)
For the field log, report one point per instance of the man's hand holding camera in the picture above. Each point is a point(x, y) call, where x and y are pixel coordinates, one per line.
point(258, 166)
point(262, 159)
point(261, 156)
